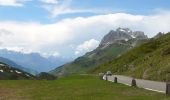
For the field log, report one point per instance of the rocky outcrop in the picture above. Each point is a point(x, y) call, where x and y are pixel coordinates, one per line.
point(121, 34)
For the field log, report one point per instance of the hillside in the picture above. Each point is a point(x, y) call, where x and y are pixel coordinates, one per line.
point(10, 73)
point(13, 64)
point(112, 45)
point(150, 60)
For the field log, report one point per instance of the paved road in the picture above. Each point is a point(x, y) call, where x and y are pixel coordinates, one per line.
point(150, 85)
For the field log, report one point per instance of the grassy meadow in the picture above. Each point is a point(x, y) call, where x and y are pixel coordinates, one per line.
point(73, 88)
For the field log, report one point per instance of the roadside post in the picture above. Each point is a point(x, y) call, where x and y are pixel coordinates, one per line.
point(168, 88)
point(115, 79)
point(167, 84)
point(133, 83)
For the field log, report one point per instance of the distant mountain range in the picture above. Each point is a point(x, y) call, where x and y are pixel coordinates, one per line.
point(32, 62)
point(114, 44)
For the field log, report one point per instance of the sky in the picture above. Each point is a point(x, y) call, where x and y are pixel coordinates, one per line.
point(70, 28)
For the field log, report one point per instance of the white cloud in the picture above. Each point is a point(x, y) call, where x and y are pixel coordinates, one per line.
point(61, 7)
point(51, 37)
point(50, 1)
point(56, 11)
point(16, 3)
point(87, 46)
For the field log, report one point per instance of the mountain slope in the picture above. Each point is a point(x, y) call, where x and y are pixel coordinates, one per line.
point(150, 60)
point(13, 64)
point(10, 73)
point(112, 45)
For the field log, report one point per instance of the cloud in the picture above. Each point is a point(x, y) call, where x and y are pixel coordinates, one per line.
point(57, 11)
point(5, 32)
point(87, 46)
point(16, 3)
point(37, 37)
point(50, 1)
point(62, 7)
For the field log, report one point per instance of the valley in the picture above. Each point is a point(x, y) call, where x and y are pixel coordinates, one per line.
point(84, 50)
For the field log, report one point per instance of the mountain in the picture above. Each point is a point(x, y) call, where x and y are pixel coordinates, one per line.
point(150, 60)
point(112, 45)
point(33, 60)
point(10, 73)
point(158, 35)
point(121, 34)
point(13, 64)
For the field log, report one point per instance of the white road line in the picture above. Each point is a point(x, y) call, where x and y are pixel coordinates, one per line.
point(126, 84)
point(146, 88)
point(154, 90)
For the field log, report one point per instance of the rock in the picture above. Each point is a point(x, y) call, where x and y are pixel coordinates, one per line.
point(120, 34)
point(139, 35)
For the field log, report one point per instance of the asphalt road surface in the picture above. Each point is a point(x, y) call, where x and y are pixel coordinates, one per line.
point(147, 84)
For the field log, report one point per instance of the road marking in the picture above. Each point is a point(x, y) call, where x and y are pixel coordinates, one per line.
point(146, 88)
point(154, 90)
point(126, 84)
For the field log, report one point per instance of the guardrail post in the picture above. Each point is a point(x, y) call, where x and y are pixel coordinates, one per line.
point(168, 88)
point(115, 80)
point(133, 83)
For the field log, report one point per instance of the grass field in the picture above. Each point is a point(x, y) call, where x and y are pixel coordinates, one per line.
point(73, 88)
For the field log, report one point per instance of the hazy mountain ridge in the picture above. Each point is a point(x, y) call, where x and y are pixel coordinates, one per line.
point(33, 60)
point(112, 45)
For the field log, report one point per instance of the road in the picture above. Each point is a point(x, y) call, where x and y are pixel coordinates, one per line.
point(147, 84)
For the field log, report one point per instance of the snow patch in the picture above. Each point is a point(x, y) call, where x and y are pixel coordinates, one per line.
point(129, 31)
point(126, 40)
point(122, 30)
point(2, 65)
point(1, 70)
point(133, 36)
point(27, 75)
point(18, 72)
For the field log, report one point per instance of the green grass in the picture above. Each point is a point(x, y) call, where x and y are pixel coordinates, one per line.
point(73, 88)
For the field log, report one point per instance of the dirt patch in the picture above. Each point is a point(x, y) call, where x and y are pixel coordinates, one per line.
point(11, 94)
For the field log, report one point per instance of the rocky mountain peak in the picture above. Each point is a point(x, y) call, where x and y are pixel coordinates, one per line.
point(158, 35)
point(121, 34)
point(127, 30)
point(139, 35)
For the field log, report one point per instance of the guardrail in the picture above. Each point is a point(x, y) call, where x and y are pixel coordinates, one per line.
point(162, 87)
